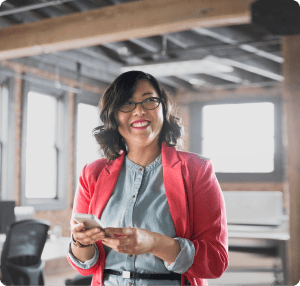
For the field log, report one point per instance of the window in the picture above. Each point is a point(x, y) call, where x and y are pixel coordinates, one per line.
point(41, 146)
point(44, 172)
point(6, 139)
point(88, 117)
point(242, 139)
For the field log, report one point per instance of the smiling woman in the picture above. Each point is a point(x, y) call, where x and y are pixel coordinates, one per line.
point(164, 209)
point(141, 126)
point(124, 94)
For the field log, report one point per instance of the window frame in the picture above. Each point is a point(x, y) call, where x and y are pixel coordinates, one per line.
point(277, 175)
point(85, 97)
point(62, 122)
point(7, 160)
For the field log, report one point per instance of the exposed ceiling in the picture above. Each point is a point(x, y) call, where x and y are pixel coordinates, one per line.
point(210, 58)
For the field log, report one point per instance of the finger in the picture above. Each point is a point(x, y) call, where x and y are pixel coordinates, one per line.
point(90, 238)
point(85, 234)
point(98, 236)
point(121, 241)
point(118, 248)
point(78, 227)
point(92, 232)
point(113, 230)
point(74, 222)
point(117, 232)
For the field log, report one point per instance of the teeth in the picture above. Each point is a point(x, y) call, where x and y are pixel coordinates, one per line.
point(140, 124)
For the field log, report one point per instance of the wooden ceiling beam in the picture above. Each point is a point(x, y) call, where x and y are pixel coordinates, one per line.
point(117, 23)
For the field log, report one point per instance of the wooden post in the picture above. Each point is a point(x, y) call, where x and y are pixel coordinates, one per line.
point(18, 135)
point(291, 71)
point(71, 148)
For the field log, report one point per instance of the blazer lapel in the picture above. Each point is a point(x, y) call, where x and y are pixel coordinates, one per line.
point(105, 184)
point(175, 190)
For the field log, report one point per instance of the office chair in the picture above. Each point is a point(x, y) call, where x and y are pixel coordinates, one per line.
point(21, 262)
point(7, 215)
point(79, 280)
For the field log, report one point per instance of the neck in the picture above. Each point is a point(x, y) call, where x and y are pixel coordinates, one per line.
point(144, 155)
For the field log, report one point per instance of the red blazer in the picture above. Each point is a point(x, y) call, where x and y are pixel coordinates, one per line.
point(196, 205)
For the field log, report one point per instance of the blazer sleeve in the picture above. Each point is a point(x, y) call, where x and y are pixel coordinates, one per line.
point(83, 196)
point(209, 225)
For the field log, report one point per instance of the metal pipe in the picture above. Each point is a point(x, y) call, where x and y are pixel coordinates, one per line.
point(32, 7)
point(207, 50)
point(229, 86)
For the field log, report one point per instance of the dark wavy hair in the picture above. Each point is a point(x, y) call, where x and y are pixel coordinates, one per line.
point(121, 90)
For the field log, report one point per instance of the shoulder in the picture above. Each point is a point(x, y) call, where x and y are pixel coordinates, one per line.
point(92, 170)
point(99, 163)
point(171, 156)
point(192, 158)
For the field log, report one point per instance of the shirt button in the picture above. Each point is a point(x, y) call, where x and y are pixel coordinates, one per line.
point(140, 169)
point(129, 283)
point(133, 196)
point(130, 255)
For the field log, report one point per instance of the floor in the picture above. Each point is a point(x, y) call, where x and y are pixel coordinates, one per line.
point(56, 272)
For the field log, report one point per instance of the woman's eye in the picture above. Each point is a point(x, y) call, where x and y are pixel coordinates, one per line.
point(128, 103)
point(151, 99)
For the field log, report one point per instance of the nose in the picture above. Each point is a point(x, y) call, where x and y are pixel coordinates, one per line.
point(139, 110)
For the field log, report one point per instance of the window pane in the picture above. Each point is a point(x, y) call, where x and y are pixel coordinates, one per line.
point(87, 146)
point(239, 138)
point(41, 157)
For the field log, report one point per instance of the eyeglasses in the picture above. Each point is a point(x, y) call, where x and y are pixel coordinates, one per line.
point(149, 104)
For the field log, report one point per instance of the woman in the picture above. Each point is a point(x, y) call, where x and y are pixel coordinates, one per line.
point(164, 209)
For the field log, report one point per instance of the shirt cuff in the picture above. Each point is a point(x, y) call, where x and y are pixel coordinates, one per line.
point(184, 259)
point(87, 264)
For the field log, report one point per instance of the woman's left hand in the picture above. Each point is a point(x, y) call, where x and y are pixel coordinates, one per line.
point(132, 241)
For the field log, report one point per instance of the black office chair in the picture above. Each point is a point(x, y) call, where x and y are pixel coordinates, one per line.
point(7, 215)
point(21, 262)
point(79, 280)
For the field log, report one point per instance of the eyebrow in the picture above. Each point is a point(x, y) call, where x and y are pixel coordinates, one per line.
point(144, 94)
point(147, 93)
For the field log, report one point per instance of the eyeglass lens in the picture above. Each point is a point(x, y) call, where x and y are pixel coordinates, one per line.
point(148, 103)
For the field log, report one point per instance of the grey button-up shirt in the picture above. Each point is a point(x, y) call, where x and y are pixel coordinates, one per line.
point(139, 200)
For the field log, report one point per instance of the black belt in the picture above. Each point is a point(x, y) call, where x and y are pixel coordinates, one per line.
point(134, 275)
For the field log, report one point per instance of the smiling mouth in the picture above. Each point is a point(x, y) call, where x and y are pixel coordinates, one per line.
point(142, 124)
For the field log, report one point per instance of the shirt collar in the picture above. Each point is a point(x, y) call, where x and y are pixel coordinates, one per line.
point(137, 168)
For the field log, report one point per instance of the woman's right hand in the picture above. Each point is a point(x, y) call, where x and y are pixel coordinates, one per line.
point(88, 236)
point(85, 237)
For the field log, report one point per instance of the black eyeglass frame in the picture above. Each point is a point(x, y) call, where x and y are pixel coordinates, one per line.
point(160, 100)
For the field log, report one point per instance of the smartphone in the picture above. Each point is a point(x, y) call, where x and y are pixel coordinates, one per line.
point(90, 220)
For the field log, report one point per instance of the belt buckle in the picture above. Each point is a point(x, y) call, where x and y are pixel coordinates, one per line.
point(126, 274)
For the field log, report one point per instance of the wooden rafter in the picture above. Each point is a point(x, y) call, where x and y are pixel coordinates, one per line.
point(116, 23)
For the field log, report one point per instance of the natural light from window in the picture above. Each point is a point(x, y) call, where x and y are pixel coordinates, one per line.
point(87, 146)
point(41, 165)
point(239, 138)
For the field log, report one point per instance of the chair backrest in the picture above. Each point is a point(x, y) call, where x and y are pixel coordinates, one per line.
point(24, 244)
point(7, 215)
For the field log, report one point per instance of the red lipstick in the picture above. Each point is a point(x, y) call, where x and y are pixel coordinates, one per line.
point(140, 124)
